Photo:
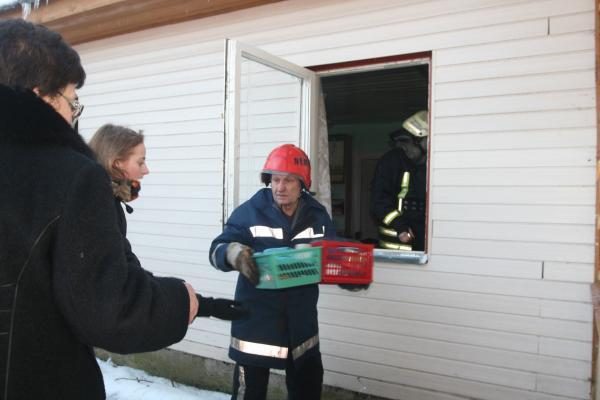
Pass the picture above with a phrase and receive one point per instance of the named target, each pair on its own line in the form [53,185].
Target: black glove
[220,308]
[354,287]
[240,258]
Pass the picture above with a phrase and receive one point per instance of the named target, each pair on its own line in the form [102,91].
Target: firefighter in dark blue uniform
[398,188]
[281,330]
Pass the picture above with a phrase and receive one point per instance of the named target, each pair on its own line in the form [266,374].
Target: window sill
[403,257]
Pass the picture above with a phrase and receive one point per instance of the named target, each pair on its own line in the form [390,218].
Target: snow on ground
[124,383]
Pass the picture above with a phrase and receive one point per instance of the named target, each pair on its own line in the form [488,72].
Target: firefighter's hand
[220,308]
[406,236]
[240,258]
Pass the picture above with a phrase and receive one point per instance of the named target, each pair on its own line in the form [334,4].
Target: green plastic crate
[285,267]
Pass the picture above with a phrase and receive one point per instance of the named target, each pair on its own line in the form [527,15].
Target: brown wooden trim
[370,61]
[83,21]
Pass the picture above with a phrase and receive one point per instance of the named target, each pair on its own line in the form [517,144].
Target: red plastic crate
[345,262]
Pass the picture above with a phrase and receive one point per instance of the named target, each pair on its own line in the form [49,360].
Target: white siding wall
[502,310]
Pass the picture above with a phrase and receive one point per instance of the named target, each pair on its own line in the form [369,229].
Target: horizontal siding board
[132,67]
[156,92]
[526,47]
[384,389]
[578,253]
[513,177]
[434,331]
[208,84]
[502,122]
[431,365]
[188,165]
[210,180]
[166,241]
[571,23]
[572,349]
[178,204]
[566,310]
[484,266]
[447,384]
[527,102]
[182,230]
[385,313]
[579,389]
[177,152]
[544,195]
[390,28]
[172,128]
[519,66]
[436,297]
[550,82]
[549,233]
[528,362]
[209,105]
[527,139]
[514,213]
[181,191]
[391,274]
[464,37]
[157,141]
[517,158]
[569,272]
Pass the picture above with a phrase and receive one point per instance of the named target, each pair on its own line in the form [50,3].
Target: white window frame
[234,51]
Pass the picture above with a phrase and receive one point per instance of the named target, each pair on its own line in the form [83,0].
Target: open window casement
[269,102]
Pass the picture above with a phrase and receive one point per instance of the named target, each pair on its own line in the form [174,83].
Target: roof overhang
[83,21]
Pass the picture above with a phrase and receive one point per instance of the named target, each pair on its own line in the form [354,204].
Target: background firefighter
[398,187]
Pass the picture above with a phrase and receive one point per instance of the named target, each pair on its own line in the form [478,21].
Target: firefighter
[398,187]
[281,330]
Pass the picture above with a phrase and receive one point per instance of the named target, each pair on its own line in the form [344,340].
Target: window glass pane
[270,110]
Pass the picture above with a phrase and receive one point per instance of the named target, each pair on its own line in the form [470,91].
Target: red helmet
[287,159]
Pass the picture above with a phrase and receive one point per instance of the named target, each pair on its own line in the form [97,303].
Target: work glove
[220,308]
[354,287]
[240,258]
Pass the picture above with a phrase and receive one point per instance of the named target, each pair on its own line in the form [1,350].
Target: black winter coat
[66,283]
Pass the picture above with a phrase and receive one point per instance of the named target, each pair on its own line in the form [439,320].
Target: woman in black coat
[66,283]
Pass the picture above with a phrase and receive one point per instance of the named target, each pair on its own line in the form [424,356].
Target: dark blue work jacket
[281,321]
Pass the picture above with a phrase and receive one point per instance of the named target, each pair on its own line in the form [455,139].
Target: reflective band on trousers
[268,350]
[388,232]
[391,216]
[395,246]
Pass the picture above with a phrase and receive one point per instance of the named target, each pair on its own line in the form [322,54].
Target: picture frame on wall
[337,158]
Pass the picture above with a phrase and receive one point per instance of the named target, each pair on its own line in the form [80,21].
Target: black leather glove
[220,308]
[240,258]
[354,287]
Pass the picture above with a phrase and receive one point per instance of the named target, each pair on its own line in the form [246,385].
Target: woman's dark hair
[33,56]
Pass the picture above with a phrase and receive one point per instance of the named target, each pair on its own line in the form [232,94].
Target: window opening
[364,105]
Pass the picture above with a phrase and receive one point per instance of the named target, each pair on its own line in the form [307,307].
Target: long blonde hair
[112,143]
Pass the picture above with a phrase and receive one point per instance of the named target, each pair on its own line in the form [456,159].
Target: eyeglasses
[75,105]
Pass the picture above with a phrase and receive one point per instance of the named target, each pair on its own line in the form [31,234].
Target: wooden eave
[83,21]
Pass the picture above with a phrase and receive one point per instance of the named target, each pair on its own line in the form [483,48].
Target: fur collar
[27,120]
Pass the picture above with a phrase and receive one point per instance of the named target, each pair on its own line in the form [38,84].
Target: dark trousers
[303,383]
